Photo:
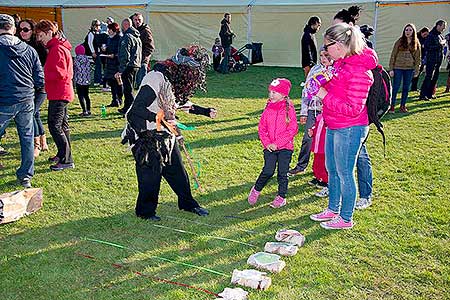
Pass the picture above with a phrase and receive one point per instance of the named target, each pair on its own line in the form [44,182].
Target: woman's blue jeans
[407,76]
[342,147]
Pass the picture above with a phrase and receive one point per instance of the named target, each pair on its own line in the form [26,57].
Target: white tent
[278,24]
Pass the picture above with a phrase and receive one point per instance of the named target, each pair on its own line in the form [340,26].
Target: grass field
[399,248]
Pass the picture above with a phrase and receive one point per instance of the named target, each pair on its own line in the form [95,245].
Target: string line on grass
[207,236]
[120,266]
[158,257]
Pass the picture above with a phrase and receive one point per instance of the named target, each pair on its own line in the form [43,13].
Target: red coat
[345,104]
[58,70]
[272,126]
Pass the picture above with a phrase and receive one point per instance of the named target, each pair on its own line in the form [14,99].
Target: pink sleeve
[262,131]
[351,104]
[291,129]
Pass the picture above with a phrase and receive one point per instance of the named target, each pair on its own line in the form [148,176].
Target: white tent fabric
[278,24]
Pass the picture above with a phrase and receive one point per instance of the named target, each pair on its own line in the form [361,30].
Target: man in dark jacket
[148,45]
[20,74]
[434,48]
[130,55]
[309,44]
[226,39]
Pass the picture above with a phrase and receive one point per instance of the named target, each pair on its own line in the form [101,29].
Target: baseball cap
[6,19]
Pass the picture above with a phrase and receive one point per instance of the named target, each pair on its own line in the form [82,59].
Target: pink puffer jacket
[345,104]
[272,128]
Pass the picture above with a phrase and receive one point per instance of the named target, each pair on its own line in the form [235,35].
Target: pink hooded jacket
[272,128]
[345,104]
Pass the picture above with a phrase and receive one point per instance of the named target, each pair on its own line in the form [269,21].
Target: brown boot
[447,89]
[37,146]
[44,146]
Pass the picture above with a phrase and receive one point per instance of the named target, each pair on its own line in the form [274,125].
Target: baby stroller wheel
[238,67]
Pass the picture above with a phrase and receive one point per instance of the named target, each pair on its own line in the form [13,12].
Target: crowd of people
[36,56]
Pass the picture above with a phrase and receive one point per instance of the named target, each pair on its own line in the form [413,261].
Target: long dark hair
[404,40]
[32,24]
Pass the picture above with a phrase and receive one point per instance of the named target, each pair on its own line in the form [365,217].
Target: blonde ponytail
[350,36]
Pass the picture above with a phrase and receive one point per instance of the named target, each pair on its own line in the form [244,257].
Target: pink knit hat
[280,85]
[79,50]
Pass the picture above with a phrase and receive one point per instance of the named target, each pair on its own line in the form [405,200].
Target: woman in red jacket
[58,73]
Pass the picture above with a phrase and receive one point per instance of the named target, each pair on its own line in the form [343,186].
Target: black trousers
[283,158]
[116,91]
[149,181]
[128,77]
[83,96]
[59,129]
[305,151]
[431,78]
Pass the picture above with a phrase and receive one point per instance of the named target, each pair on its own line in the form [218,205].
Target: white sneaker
[323,193]
[363,203]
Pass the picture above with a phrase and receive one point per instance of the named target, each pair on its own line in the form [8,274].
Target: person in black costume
[151,129]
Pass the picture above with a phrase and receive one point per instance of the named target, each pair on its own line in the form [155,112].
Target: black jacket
[434,48]
[20,71]
[226,35]
[130,50]
[309,48]
[112,64]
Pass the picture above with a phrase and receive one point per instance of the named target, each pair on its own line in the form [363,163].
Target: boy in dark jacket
[309,47]
[226,38]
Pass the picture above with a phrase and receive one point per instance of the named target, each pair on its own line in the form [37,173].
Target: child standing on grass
[318,133]
[82,74]
[217,51]
[277,129]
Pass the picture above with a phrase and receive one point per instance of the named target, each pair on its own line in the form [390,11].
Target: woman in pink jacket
[345,115]
[277,128]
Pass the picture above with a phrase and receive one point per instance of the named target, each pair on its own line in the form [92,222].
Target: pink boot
[253,196]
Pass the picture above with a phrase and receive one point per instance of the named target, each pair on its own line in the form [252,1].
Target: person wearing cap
[152,142]
[277,129]
[148,45]
[20,74]
[367,31]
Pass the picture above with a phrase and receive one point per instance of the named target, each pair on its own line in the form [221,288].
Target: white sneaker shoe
[363,203]
[323,193]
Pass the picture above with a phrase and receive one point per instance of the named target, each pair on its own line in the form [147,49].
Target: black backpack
[379,99]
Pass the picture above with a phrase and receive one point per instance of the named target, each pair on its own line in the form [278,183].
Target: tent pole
[249,28]
[375,25]
[147,13]
[62,18]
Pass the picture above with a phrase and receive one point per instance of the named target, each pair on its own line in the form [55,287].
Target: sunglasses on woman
[325,47]
[25,29]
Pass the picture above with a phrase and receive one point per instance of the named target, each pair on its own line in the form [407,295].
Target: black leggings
[83,96]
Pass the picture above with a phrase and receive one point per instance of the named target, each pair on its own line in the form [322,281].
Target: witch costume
[154,143]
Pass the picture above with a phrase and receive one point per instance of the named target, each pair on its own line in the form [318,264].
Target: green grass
[399,248]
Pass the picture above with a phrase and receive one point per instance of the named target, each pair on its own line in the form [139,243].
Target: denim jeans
[283,158]
[39,98]
[98,75]
[226,60]
[364,171]
[22,113]
[59,129]
[140,75]
[407,76]
[342,147]
[305,151]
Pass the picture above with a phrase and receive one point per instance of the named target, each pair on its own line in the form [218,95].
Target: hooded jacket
[58,70]
[434,48]
[226,35]
[20,71]
[345,104]
[309,48]
[130,50]
[148,45]
[272,128]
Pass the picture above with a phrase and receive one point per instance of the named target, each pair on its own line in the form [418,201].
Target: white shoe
[363,203]
[322,193]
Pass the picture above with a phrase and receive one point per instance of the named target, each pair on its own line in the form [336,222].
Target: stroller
[239,61]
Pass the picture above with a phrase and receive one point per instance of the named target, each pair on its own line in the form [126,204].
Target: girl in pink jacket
[345,115]
[277,128]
